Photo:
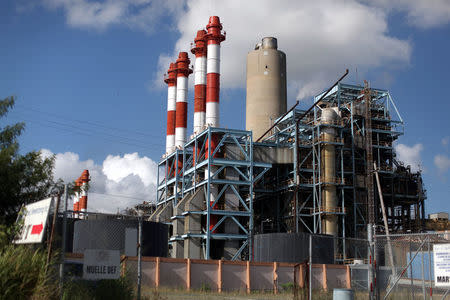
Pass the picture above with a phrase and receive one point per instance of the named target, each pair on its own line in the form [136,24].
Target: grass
[285,293]
[23,274]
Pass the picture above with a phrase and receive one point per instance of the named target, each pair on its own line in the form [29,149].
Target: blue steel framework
[306,142]
[303,209]
[193,160]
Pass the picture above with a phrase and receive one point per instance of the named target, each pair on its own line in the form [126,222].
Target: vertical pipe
[183,72]
[429,270]
[208,198]
[199,81]
[370,264]
[423,275]
[214,37]
[171,81]
[139,265]
[310,267]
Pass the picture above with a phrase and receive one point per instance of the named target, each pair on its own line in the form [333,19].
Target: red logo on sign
[37,229]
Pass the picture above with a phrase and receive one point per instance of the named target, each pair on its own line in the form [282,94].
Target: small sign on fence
[441,255]
[101,264]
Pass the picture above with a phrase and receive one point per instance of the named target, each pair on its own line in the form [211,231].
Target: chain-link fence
[405,266]
[112,237]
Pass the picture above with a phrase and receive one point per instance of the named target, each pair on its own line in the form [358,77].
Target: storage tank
[266,86]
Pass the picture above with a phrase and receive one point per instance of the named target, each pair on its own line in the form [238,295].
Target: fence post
[188,275]
[301,275]
[423,275]
[411,269]
[429,270]
[157,271]
[275,277]
[324,277]
[370,263]
[219,277]
[139,278]
[247,275]
[310,268]
[348,277]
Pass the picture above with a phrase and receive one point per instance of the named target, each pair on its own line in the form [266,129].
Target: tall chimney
[214,37]
[183,72]
[171,81]
[83,193]
[199,81]
[76,198]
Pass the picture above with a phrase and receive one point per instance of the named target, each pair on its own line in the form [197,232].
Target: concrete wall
[217,275]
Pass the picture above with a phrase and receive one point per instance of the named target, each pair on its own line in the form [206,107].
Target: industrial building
[290,171]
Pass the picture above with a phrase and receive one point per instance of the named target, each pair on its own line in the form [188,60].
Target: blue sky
[88,75]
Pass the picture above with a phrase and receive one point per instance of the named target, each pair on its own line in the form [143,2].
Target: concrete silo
[266,86]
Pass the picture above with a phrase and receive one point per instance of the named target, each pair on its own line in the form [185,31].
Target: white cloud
[445,141]
[130,175]
[144,15]
[420,13]
[410,155]
[442,162]
[320,38]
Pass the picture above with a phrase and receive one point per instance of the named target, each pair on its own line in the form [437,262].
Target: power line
[83,133]
[85,121]
[120,196]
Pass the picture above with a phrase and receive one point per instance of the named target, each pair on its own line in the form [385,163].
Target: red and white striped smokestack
[183,72]
[171,81]
[199,81]
[83,192]
[214,37]
[76,198]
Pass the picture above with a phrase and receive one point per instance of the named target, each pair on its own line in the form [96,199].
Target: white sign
[441,255]
[101,264]
[35,218]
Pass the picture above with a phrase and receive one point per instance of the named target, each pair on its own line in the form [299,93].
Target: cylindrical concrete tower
[171,81]
[199,81]
[328,171]
[183,72]
[214,37]
[266,86]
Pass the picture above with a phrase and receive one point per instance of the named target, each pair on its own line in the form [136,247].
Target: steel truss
[200,155]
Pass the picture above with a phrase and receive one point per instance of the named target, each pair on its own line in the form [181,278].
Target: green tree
[23,178]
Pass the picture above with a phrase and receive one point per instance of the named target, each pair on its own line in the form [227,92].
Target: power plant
[290,173]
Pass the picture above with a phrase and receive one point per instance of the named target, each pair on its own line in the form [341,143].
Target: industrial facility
[290,171]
